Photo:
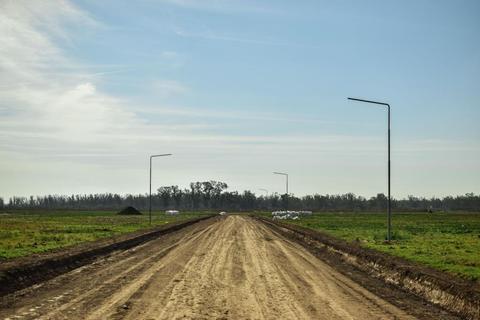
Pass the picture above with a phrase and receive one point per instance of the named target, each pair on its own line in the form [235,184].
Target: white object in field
[294,215]
[222,213]
[172,212]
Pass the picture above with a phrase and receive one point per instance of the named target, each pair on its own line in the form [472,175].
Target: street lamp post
[389,207]
[150,196]
[286,186]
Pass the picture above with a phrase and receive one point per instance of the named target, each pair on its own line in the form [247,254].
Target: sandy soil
[231,268]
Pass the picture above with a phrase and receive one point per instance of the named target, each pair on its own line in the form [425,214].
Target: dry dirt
[231,268]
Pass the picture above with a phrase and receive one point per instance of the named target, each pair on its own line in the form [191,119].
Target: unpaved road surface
[230,268]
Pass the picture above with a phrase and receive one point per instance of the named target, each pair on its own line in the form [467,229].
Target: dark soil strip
[384,274]
[24,272]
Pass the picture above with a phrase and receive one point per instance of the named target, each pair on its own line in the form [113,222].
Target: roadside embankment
[454,294]
[23,272]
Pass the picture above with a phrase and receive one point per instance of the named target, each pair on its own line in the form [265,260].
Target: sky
[237,89]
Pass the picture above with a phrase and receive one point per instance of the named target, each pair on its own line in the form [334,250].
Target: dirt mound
[129,211]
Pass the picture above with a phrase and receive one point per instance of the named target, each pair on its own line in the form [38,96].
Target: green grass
[445,241]
[24,233]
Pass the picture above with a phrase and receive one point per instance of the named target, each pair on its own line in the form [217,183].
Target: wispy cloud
[56,105]
[437,145]
[168,88]
[47,98]
[169,54]
[274,118]
[225,6]
[208,34]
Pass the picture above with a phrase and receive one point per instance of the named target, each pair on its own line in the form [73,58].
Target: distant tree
[177,195]
[167,194]
[212,195]
[248,201]
[195,194]
[379,202]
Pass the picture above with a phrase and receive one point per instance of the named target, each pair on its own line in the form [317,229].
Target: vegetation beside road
[445,241]
[25,232]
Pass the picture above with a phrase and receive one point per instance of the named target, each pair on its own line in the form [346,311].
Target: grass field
[24,233]
[445,241]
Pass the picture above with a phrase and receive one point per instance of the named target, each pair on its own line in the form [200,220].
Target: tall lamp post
[389,207]
[286,186]
[150,196]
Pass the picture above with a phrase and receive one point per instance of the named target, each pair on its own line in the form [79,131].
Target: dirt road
[232,268]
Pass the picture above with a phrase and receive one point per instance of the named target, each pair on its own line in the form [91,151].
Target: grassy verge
[445,241]
[24,233]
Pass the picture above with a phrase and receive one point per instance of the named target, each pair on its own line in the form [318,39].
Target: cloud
[50,105]
[208,34]
[168,88]
[42,92]
[169,54]
[223,6]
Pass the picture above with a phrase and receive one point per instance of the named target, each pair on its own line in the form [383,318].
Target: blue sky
[236,90]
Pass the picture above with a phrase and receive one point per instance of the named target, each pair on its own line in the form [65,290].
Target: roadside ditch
[458,296]
[23,272]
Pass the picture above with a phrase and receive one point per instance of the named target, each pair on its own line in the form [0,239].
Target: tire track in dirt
[72,295]
[229,268]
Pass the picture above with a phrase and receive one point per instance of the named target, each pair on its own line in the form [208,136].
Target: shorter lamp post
[150,196]
[286,186]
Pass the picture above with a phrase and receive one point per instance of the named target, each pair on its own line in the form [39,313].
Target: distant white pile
[172,212]
[294,215]
[222,213]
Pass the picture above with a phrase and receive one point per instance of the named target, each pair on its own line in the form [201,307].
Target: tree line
[213,195]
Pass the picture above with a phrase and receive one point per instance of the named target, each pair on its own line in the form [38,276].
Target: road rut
[230,268]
